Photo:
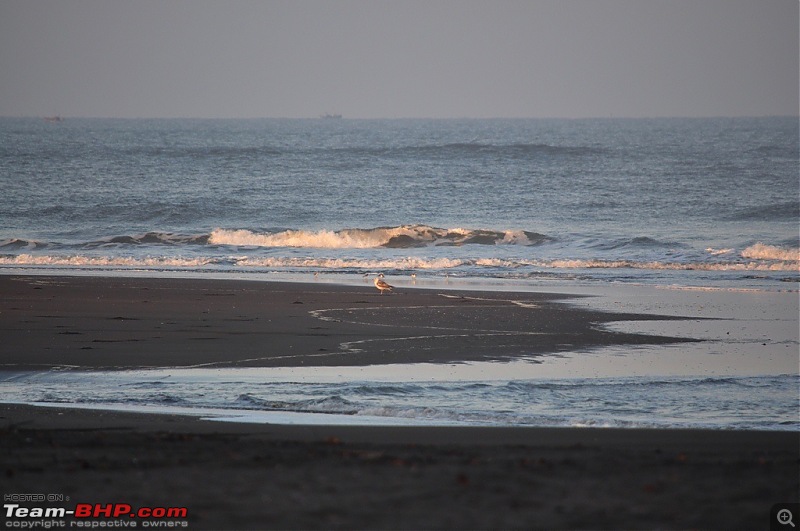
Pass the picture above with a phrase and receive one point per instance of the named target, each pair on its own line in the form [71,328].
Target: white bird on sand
[382,285]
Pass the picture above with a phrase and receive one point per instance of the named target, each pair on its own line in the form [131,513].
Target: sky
[399,58]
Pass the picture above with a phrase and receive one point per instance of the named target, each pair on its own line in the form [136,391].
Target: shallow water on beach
[743,375]
[310,397]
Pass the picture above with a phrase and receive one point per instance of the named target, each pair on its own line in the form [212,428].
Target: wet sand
[245,476]
[120,323]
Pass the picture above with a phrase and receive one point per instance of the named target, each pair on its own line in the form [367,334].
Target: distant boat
[53,119]
[331,116]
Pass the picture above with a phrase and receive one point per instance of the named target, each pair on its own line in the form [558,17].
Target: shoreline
[324,277]
[242,476]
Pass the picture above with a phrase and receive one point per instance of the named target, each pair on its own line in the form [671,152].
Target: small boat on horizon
[53,119]
[327,116]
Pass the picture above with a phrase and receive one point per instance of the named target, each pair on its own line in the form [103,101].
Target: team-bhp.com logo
[94,515]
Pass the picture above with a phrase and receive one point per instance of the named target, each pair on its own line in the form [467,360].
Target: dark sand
[235,476]
[117,323]
[244,476]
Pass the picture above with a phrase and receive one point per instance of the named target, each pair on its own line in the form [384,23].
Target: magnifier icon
[785,517]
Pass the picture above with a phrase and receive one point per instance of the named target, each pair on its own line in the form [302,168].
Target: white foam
[402,263]
[761,251]
[402,236]
[667,266]
[407,263]
[349,239]
[104,261]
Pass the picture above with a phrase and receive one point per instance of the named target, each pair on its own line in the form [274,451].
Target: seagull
[382,285]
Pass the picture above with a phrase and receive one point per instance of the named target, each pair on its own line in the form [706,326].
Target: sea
[695,217]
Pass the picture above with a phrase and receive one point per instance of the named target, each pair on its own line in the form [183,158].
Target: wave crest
[406,236]
[15,244]
[762,251]
[151,238]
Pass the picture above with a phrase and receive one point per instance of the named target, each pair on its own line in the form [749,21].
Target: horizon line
[443,118]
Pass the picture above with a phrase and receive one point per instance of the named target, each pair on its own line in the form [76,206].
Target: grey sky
[399,58]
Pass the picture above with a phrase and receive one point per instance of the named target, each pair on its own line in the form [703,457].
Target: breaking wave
[405,248]
[401,237]
[762,251]
[406,236]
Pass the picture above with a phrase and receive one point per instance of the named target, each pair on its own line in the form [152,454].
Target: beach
[233,475]
[123,323]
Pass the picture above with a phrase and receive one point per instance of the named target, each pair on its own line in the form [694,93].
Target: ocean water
[690,206]
[684,201]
